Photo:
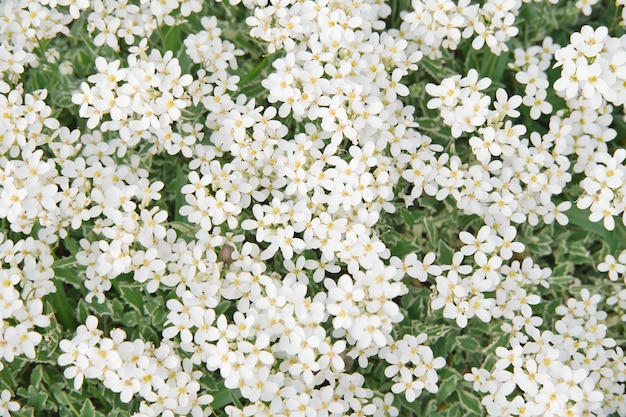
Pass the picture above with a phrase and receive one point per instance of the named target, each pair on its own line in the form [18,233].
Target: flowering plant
[312,208]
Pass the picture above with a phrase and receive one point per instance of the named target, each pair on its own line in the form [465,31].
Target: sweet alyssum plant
[312,208]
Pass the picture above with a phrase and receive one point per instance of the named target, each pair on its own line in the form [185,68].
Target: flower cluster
[592,81]
[25,278]
[301,196]
[157,374]
[28,192]
[576,370]
[24,24]
[516,177]
[142,102]
[462,105]
[531,65]
[616,270]
[605,188]
[464,291]
[332,25]
[109,21]
[268,250]
[118,197]
[592,69]
[412,366]
[215,54]
[434,25]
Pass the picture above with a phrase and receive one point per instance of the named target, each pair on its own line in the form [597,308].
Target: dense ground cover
[312,208]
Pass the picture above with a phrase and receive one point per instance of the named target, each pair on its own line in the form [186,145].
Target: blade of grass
[62,307]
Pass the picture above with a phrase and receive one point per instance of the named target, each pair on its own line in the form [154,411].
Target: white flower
[384,406]
[614,268]
[6,405]
[589,41]
[603,210]
[533,79]
[537,104]
[478,377]
[421,270]
[567,84]
[412,389]
[481,243]
[505,105]
[556,213]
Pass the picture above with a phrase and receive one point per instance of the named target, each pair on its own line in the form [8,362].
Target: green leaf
[171,38]
[406,408]
[250,76]
[40,399]
[62,307]
[68,401]
[24,412]
[132,320]
[36,80]
[416,307]
[421,213]
[455,411]
[71,243]
[67,275]
[500,341]
[118,310]
[36,376]
[578,252]
[403,248]
[563,280]
[47,351]
[224,397]
[495,65]
[154,309]
[435,129]
[439,347]
[436,69]
[87,410]
[562,269]
[148,334]
[539,243]
[83,312]
[60,395]
[133,296]
[101,309]
[159,317]
[181,180]
[431,230]
[448,383]
[451,341]
[469,344]
[580,218]
[445,253]
[252,90]
[407,217]
[83,60]
[470,402]
[222,307]
[118,413]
